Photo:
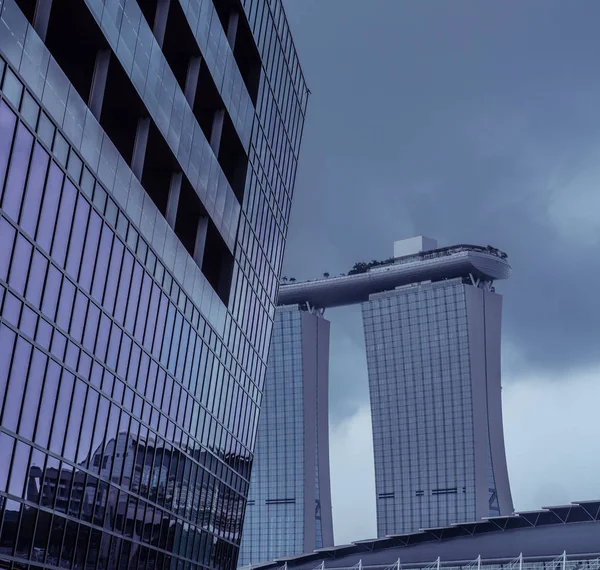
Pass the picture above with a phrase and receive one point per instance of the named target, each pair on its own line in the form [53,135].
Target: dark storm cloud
[473,122]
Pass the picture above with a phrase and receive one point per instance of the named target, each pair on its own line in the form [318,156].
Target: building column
[160,21]
[200,240]
[217,130]
[173,199]
[191,80]
[232,26]
[139,146]
[41,17]
[99,82]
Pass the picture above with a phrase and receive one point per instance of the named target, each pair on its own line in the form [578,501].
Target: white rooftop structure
[414,245]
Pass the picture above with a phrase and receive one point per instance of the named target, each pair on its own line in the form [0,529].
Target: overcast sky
[470,122]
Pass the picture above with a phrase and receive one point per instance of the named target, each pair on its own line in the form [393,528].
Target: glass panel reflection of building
[140,251]
[289,503]
[133,463]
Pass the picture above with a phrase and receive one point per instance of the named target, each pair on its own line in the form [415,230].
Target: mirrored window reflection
[19,469]
[10,526]
[7,443]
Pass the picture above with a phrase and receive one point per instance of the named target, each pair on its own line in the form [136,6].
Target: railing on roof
[442,252]
[563,562]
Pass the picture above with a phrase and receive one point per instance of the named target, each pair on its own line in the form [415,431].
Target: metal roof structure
[468,261]
[573,528]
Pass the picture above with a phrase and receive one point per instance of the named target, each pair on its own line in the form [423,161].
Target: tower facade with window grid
[433,356]
[148,152]
[289,508]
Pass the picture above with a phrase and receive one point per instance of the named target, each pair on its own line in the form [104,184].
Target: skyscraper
[148,152]
[289,504]
[433,354]
[432,324]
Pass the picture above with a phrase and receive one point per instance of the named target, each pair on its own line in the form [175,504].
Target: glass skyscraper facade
[148,152]
[433,355]
[289,504]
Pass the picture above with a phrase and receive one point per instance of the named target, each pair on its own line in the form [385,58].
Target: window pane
[102,338]
[20,265]
[98,434]
[7,342]
[65,306]
[35,383]
[51,292]
[77,403]
[123,289]
[18,472]
[35,281]
[47,405]
[102,263]
[134,297]
[19,163]
[59,344]
[33,193]
[91,327]
[7,130]
[55,541]
[6,445]
[8,538]
[113,347]
[114,270]
[79,315]
[63,223]
[62,412]
[89,253]
[69,544]
[82,213]
[47,224]
[16,385]
[124,356]
[42,531]
[7,237]
[87,428]
[152,317]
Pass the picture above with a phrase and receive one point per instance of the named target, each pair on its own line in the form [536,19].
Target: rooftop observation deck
[486,264]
